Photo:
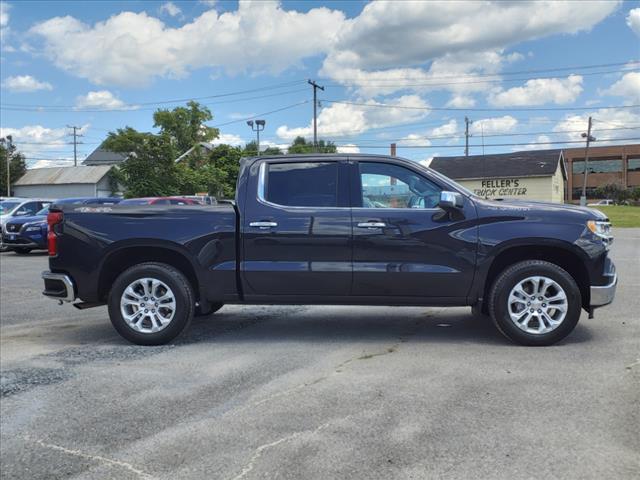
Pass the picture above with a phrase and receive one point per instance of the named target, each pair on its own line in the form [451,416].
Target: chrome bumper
[603,295]
[58,287]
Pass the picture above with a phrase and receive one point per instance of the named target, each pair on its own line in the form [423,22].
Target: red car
[160,201]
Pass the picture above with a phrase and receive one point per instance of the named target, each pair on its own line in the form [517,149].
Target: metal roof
[100,156]
[534,163]
[63,175]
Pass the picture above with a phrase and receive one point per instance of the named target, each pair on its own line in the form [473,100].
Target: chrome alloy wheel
[148,305]
[537,305]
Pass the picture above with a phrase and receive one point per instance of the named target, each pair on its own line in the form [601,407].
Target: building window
[598,166]
[633,165]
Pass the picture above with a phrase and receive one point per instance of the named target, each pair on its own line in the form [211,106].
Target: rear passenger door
[297,230]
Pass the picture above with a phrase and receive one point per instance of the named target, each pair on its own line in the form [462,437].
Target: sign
[500,187]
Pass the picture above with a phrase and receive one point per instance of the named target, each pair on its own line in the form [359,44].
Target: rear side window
[302,184]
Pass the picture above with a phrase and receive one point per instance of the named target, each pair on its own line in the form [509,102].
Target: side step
[85,305]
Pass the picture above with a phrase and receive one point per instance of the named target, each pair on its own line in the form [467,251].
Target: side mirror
[450,200]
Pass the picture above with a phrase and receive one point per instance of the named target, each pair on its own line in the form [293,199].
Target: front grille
[12,227]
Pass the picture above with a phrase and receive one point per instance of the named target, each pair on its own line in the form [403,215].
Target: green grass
[622,216]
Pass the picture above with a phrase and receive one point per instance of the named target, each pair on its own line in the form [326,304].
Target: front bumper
[10,242]
[603,294]
[58,287]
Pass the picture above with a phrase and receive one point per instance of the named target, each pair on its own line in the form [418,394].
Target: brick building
[619,164]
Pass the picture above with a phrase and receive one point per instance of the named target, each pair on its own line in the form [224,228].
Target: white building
[63,182]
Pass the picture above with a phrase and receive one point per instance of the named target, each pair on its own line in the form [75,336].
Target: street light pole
[589,138]
[257,129]
[9,140]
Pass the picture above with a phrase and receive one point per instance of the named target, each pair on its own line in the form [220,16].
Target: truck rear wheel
[151,303]
[535,303]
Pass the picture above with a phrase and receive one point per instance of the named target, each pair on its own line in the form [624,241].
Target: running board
[85,305]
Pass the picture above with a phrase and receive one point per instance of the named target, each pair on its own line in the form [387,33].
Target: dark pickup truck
[334,229]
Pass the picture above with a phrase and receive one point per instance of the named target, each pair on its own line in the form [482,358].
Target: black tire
[509,278]
[209,310]
[184,299]
[22,251]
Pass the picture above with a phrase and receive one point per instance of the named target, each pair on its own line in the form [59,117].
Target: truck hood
[554,211]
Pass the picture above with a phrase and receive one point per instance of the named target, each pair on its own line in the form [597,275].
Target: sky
[526,74]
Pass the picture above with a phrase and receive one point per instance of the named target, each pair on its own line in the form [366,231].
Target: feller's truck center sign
[499,187]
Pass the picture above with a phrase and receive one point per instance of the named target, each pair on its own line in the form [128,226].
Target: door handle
[263,225]
[372,225]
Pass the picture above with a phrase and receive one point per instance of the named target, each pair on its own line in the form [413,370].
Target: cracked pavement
[316,392]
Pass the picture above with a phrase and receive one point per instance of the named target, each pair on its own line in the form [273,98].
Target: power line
[490,144]
[457,109]
[253,117]
[520,72]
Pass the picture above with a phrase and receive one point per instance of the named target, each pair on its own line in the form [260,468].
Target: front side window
[390,186]
[302,184]
[27,209]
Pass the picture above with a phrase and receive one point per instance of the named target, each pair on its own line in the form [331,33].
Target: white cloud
[101,100]
[628,87]
[48,145]
[170,8]
[540,91]
[461,101]
[340,119]
[604,120]
[133,48]
[493,125]
[449,128]
[228,139]
[536,145]
[4,14]
[240,115]
[387,34]
[25,83]
[413,140]
[349,148]
[633,20]
[209,3]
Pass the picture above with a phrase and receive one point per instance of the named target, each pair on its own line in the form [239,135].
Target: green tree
[185,125]
[300,145]
[17,166]
[224,162]
[613,191]
[150,169]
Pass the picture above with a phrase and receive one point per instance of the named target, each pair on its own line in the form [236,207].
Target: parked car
[14,207]
[601,203]
[299,233]
[160,201]
[23,234]
[203,199]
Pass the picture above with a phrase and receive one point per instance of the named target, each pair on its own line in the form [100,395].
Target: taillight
[53,219]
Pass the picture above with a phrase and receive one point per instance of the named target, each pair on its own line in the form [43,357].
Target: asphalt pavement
[316,392]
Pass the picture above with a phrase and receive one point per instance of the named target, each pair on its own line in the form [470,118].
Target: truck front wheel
[151,303]
[535,303]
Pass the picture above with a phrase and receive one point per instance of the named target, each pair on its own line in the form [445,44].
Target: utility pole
[315,114]
[9,140]
[589,138]
[75,143]
[467,122]
[257,129]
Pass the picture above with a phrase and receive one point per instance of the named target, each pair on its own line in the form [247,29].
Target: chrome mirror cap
[450,200]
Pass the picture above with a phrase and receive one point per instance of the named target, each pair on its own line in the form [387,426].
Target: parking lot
[317,392]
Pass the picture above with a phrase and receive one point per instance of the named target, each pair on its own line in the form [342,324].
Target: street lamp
[9,140]
[257,129]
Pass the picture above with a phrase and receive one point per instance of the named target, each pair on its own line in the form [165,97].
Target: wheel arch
[125,256]
[559,253]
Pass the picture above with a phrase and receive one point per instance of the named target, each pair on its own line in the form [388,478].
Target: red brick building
[619,164]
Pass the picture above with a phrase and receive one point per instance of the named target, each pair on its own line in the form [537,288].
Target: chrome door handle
[372,225]
[263,225]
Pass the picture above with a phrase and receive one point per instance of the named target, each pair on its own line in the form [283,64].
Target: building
[528,175]
[62,182]
[102,157]
[618,164]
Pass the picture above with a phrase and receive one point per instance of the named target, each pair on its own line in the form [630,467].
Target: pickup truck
[334,229]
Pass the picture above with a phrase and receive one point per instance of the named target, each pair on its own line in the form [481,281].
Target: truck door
[404,245]
[296,229]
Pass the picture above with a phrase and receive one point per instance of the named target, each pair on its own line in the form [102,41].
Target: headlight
[600,228]
[34,228]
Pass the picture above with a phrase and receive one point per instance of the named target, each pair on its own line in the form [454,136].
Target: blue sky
[407,72]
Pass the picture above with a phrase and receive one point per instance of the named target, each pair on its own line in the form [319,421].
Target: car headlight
[600,228]
[33,228]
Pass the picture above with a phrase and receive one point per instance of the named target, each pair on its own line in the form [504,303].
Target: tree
[300,145]
[17,166]
[185,125]
[613,191]
[224,162]
[149,169]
